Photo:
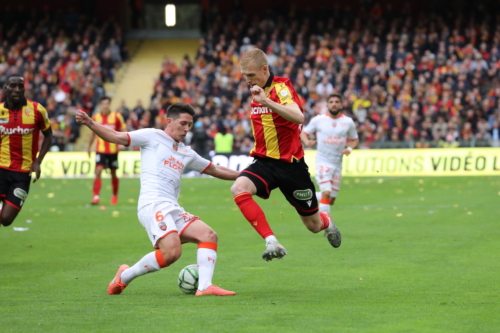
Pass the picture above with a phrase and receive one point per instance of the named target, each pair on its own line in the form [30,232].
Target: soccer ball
[188,279]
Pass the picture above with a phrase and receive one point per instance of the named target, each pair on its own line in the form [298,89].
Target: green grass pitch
[418,255]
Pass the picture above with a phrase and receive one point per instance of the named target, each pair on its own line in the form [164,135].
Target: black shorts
[109,161]
[14,187]
[293,180]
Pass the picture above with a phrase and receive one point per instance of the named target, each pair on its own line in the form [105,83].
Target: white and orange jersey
[332,135]
[163,161]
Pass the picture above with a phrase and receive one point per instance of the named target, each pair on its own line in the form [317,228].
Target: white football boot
[273,250]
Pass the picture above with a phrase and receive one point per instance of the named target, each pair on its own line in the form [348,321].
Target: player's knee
[6,221]
[209,236]
[237,189]
[172,255]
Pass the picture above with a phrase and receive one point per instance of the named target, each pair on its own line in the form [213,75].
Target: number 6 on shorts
[159,216]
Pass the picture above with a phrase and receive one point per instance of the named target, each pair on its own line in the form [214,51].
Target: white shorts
[328,178]
[162,218]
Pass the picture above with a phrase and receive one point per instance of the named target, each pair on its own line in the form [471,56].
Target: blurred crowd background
[426,80]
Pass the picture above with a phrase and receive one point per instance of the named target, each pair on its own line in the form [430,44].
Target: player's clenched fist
[257,93]
[82,117]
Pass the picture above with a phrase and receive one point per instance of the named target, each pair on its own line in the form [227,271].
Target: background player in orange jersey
[279,157]
[106,153]
[21,121]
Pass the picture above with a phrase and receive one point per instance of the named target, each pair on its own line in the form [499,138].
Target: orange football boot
[114,200]
[215,291]
[116,286]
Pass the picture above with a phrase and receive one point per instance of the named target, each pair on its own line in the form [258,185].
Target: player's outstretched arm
[221,172]
[107,134]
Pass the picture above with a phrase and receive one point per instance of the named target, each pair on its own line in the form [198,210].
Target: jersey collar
[269,81]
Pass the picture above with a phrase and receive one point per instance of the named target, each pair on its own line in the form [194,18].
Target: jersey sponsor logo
[303,194]
[15,130]
[174,164]
[260,110]
[333,140]
[309,202]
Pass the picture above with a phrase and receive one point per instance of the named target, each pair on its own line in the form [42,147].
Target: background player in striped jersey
[106,153]
[336,136]
[276,117]
[21,121]
[163,159]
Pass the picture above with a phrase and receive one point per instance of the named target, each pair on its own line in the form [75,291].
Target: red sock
[253,213]
[324,219]
[115,182]
[97,186]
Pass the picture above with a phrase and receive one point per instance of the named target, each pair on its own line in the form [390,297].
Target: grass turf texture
[418,255]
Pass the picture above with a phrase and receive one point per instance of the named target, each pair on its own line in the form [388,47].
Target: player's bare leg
[96,190]
[323,221]
[170,250]
[206,238]
[243,189]
[8,214]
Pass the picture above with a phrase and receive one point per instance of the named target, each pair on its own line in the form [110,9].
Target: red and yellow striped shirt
[113,120]
[19,132]
[276,137]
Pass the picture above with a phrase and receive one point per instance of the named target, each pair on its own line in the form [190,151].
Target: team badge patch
[27,111]
[334,125]
[162,226]
[303,194]
[175,146]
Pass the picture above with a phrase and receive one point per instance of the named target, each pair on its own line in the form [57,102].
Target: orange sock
[253,213]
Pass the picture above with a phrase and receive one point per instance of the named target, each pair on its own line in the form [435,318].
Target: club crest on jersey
[162,226]
[27,111]
[334,125]
[175,145]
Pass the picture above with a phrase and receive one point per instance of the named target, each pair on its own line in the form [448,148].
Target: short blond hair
[254,57]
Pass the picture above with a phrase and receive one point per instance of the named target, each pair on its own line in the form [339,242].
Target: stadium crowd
[64,59]
[408,80]
[423,81]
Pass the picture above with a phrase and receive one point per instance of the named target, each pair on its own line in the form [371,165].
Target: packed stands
[426,81]
[64,58]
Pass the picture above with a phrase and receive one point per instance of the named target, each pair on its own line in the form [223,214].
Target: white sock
[147,264]
[324,208]
[271,238]
[318,196]
[206,259]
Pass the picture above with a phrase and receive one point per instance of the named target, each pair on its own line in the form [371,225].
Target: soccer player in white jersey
[163,159]
[336,136]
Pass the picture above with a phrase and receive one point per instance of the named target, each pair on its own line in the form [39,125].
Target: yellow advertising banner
[78,164]
[369,163]
[417,162]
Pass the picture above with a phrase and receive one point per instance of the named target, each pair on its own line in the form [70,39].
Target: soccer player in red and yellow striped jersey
[106,153]
[277,119]
[21,121]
